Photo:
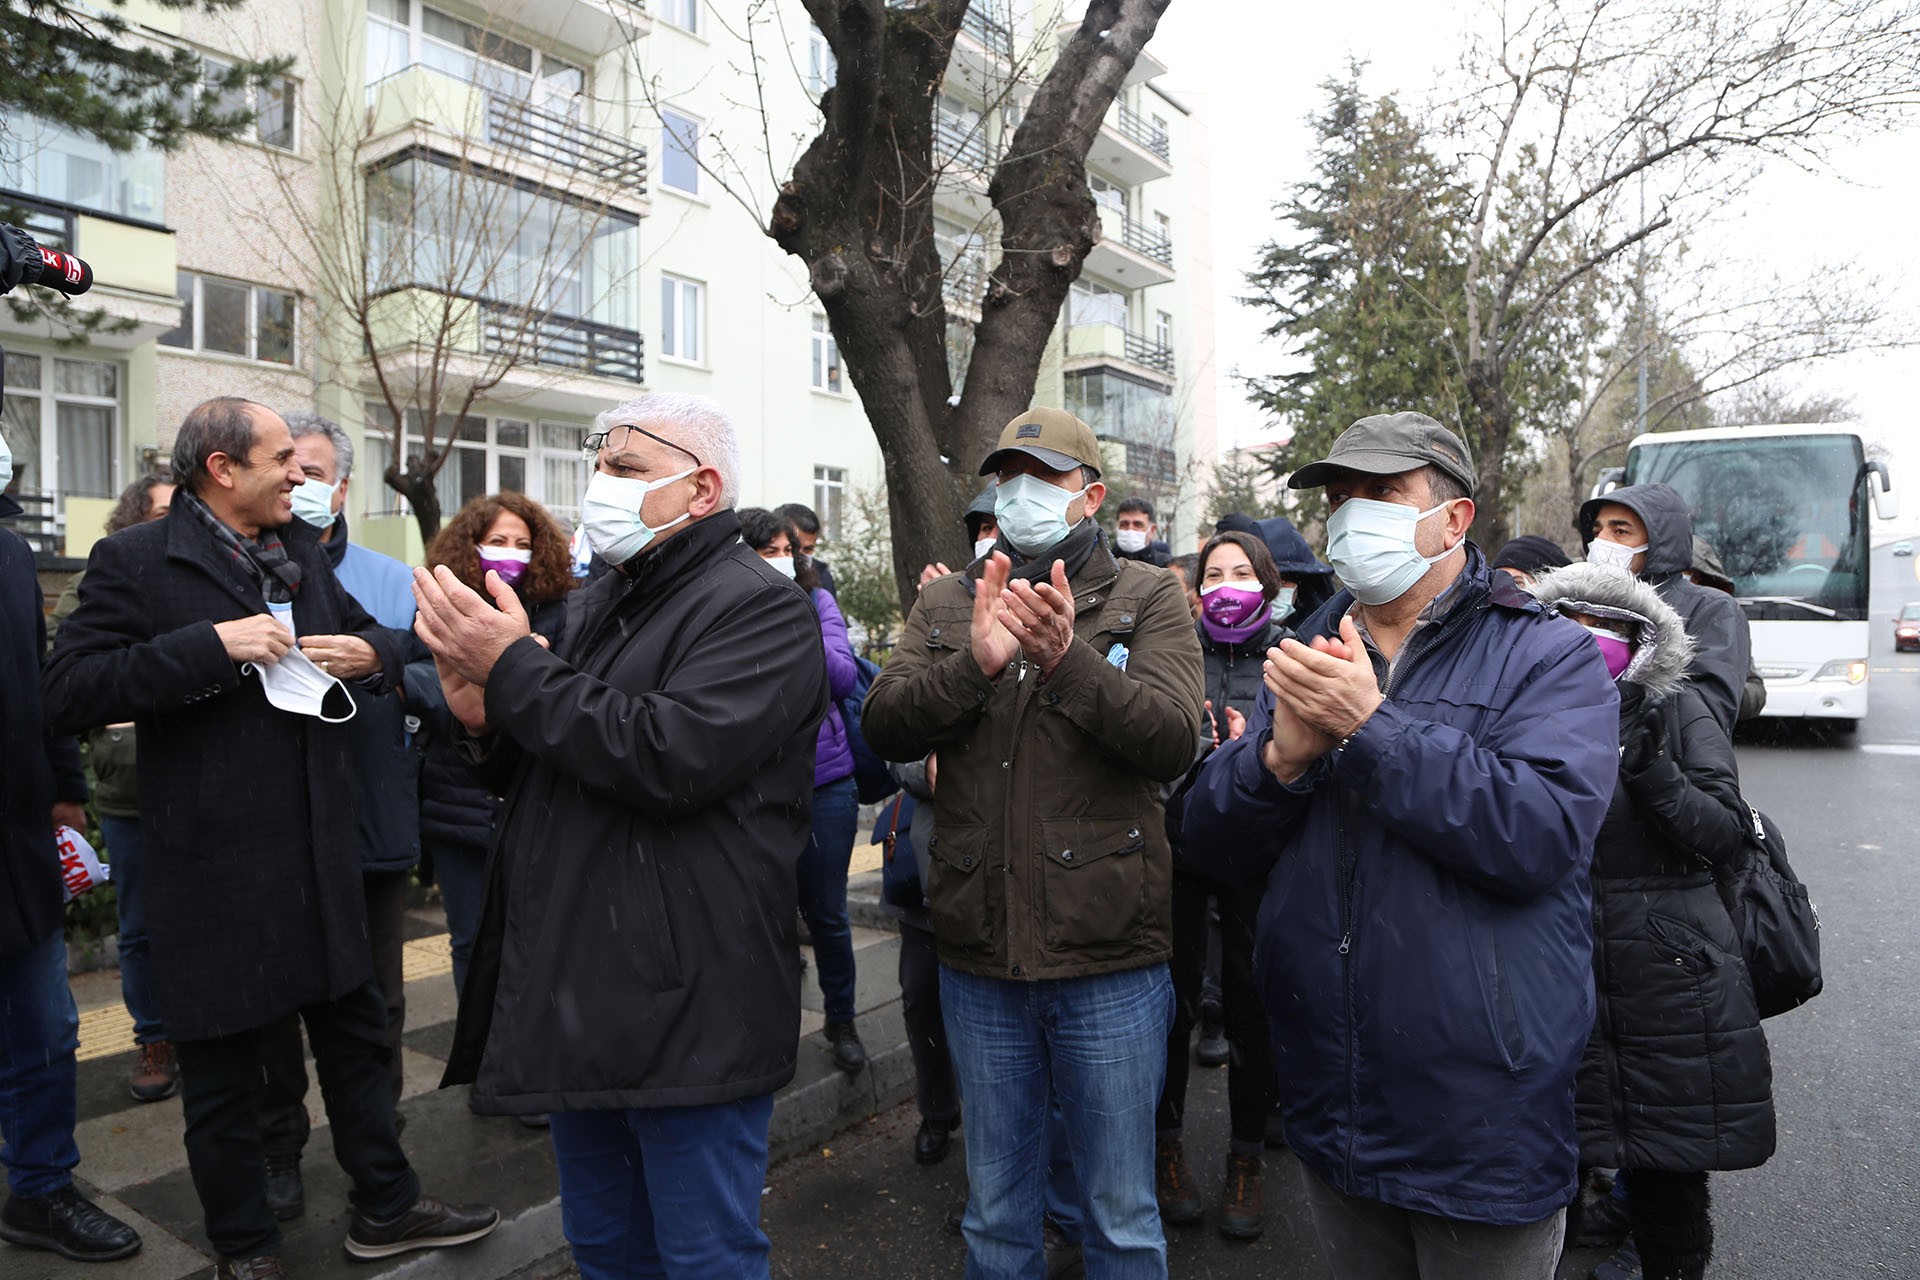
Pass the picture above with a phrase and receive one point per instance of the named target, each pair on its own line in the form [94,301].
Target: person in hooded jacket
[1310,583]
[836,802]
[1675,1080]
[1707,571]
[1239,587]
[1647,530]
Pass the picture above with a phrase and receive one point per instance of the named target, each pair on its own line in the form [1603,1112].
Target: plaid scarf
[264,560]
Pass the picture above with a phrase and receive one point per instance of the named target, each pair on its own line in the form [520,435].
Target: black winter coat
[1676,1076]
[250,851]
[637,945]
[36,769]
[456,808]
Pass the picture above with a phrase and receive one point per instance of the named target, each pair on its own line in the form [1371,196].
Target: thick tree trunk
[415,484]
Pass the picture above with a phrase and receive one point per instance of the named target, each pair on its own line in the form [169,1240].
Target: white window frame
[209,64]
[830,500]
[47,478]
[673,134]
[823,69]
[377,499]
[677,337]
[826,372]
[195,339]
[1163,328]
[671,11]
[417,38]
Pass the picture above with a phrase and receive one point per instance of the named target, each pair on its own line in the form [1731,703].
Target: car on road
[1903,548]
[1906,627]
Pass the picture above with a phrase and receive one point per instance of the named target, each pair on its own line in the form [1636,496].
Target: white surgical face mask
[297,684]
[610,513]
[1032,514]
[782,565]
[6,464]
[1131,541]
[1370,545]
[313,503]
[1612,555]
[981,546]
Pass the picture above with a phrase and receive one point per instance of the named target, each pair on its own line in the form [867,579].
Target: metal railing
[563,342]
[1155,355]
[40,527]
[520,126]
[1138,129]
[996,36]
[955,144]
[1143,239]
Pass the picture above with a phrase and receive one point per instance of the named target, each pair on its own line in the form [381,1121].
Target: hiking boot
[930,1144]
[286,1193]
[67,1223]
[1241,1203]
[1173,1186]
[156,1076]
[1213,1050]
[848,1053]
[265,1267]
[428,1224]
[1623,1265]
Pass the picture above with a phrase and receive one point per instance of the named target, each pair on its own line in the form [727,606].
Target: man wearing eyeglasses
[635,974]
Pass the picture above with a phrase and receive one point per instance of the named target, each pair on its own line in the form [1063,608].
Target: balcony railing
[996,36]
[1136,128]
[38,525]
[1143,239]
[1144,350]
[519,126]
[563,342]
[956,144]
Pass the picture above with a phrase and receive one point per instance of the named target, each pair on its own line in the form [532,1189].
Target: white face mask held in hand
[297,685]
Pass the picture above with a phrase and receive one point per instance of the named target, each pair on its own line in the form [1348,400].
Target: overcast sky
[1260,65]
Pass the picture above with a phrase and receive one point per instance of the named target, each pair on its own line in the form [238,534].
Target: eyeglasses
[615,438]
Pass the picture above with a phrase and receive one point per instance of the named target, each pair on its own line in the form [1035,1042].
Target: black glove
[1643,745]
[18,255]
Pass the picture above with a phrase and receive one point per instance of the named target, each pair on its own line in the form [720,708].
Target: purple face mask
[1232,613]
[1617,652]
[508,562]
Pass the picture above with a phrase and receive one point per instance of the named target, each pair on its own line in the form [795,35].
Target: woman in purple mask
[1675,1080]
[512,535]
[1238,584]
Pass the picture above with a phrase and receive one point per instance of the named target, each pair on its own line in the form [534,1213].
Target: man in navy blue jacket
[1420,787]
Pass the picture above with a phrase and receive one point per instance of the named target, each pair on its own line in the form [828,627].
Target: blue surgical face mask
[610,513]
[313,503]
[1032,514]
[1283,605]
[1370,545]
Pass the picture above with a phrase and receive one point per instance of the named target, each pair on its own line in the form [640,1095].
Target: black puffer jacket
[455,806]
[1676,1075]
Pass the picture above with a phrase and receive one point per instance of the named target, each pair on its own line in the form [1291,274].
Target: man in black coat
[187,626]
[40,785]
[636,974]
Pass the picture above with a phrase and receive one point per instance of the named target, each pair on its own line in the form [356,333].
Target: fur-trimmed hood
[1662,647]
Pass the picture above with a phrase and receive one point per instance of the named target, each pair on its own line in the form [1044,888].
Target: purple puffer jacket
[833,758]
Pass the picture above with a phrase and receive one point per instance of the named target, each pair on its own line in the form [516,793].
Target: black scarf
[1075,549]
[264,560]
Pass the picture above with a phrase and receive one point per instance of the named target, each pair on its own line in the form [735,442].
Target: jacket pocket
[1496,996]
[1094,881]
[957,886]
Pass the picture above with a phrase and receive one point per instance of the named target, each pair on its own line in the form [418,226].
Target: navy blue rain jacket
[1424,947]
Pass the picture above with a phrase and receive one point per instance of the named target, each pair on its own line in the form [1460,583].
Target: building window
[62,421]
[684,14]
[61,166]
[236,319]
[272,104]
[679,152]
[823,71]
[830,500]
[1108,195]
[402,34]
[1130,412]
[1092,303]
[1163,328]
[489,455]
[826,357]
[682,303]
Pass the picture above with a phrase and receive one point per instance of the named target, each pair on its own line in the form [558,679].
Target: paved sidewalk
[132,1157]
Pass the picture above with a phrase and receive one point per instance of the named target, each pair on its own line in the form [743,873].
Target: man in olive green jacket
[1061,690]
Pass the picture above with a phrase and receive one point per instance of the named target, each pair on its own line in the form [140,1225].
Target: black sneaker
[69,1224]
[1212,1051]
[848,1053]
[265,1267]
[286,1193]
[429,1224]
[930,1144]
[1623,1265]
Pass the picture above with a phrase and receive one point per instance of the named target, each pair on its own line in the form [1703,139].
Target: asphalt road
[1840,1199]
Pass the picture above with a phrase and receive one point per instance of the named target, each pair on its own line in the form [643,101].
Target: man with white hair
[635,973]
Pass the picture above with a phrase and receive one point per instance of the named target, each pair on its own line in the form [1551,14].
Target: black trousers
[219,1087]
[283,1060]
[1672,1222]
[1251,1086]
[935,1088]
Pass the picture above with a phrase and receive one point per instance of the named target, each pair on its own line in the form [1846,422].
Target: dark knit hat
[1531,554]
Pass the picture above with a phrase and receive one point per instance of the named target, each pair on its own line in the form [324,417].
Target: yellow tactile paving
[109,1029]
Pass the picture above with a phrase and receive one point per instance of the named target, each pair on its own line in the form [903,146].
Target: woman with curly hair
[515,537]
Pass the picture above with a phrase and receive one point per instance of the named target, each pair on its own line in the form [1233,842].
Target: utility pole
[1640,298]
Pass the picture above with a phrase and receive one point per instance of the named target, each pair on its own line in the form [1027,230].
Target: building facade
[483,221]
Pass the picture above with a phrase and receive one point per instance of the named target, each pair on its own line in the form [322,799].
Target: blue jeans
[1099,1046]
[136,961]
[461,871]
[823,893]
[668,1191]
[39,1032]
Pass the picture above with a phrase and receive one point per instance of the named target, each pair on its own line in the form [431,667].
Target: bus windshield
[1788,515]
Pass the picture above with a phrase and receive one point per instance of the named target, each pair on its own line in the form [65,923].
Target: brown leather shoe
[1241,1202]
[1173,1186]
[428,1224]
[157,1075]
[265,1267]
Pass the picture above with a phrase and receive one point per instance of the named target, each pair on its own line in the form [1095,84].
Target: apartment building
[537,208]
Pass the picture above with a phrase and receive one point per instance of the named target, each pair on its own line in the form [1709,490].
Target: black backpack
[1778,925]
[871,780]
